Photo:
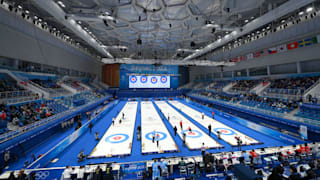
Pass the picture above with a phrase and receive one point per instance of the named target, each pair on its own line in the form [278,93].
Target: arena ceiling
[150,29]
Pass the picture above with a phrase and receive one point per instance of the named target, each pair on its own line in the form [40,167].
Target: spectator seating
[311,111]
[245,85]
[218,85]
[291,86]
[8,84]
[271,104]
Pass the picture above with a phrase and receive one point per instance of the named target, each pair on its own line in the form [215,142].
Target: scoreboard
[149,81]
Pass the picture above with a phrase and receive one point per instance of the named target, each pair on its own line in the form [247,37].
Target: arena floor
[118,142]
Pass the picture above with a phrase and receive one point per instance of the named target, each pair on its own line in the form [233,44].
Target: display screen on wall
[137,70]
[149,81]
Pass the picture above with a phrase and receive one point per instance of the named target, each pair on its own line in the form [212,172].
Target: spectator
[203,149]
[294,174]
[66,175]
[181,162]
[277,174]
[22,175]
[12,176]
[80,173]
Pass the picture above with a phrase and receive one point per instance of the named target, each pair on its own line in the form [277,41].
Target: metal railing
[9,135]
[15,94]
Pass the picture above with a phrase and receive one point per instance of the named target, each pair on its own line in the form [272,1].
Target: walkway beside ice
[228,134]
[195,138]
[118,138]
[152,125]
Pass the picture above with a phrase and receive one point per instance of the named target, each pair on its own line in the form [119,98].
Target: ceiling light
[252,17]
[20,7]
[246,20]
[27,11]
[283,21]
[309,9]
[301,13]
[79,22]
[61,4]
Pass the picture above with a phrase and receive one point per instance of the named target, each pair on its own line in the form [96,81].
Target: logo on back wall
[133,79]
[154,80]
[143,79]
[163,79]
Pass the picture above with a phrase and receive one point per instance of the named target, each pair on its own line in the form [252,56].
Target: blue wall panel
[127,69]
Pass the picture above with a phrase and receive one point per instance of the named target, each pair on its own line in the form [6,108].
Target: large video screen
[149,81]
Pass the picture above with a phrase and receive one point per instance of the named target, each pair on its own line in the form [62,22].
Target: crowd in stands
[245,85]
[8,84]
[26,113]
[274,104]
[23,114]
[293,86]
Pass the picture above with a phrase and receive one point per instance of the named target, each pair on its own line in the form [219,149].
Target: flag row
[278,49]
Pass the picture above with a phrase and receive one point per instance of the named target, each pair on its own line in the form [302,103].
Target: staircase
[261,87]
[228,86]
[314,90]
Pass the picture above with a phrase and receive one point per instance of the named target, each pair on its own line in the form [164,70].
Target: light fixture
[61,4]
[301,13]
[246,20]
[309,9]
[283,21]
[27,12]
[252,17]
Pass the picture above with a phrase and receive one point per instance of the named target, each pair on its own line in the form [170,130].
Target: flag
[264,52]
[307,42]
[272,50]
[282,48]
[293,45]
[250,56]
[243,58]
[256,54]
[235,59]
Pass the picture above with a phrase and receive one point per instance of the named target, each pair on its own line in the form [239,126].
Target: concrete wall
[290,58]
[20,39]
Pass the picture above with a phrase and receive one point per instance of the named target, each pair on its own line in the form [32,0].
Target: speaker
[105,22]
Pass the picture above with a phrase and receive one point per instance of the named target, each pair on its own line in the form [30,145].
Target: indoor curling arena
[160,89]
